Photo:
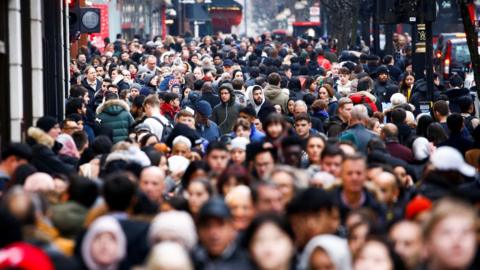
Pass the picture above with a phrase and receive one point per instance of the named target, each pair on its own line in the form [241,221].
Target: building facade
[33,66]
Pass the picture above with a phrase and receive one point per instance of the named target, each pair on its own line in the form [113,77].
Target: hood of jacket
[250,96]
[69,217]
[229,87]
[113,107]
[37,135]
[272,91]
[457,92]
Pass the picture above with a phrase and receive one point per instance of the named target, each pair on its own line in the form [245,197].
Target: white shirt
[155,126]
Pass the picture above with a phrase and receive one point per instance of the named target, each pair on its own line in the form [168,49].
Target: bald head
[152,183]
[386,183]
[390,132]
[237,193]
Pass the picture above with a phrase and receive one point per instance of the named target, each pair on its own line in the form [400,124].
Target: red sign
[97,38]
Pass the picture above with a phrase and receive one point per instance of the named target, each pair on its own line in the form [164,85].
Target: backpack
[358,98]
[468,123]
[167,128]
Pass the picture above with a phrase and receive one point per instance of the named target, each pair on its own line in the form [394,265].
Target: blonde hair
[445,208]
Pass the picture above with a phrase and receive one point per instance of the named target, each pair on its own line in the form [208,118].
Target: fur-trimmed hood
[40,137]
[113,107]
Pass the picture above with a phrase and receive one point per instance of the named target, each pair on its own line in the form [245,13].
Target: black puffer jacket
[43,157]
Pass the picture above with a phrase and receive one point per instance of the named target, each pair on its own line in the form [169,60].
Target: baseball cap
[214,208]
[447,158]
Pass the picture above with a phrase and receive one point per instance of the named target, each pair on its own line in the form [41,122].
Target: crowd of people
[227,153]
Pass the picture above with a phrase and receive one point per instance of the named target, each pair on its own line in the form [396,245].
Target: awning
[225,5]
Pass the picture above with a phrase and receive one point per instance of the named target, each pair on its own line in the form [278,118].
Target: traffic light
[82,19]
[405,11]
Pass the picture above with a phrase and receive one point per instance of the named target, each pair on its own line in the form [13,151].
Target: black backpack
[167,128]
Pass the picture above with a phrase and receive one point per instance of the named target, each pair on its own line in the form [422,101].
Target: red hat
[24,256]
[416,206]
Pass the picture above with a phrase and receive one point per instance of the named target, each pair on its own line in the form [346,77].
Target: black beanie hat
[46,123]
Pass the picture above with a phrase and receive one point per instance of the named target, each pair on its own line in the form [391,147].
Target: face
[346,111]
[319,260]
[386,183]
[354,174]
[332,165]
[198,74]
[224,95]
[344,78]
[242,132]
[315,147]
[323,94]
[292,155]
[291,106]
[132,69]
[134,92]
[407,238]
[307,226]
[152,184]
[217,160]
[452,242]
[105,86]
[285,183]
[264,164]
[383,77]
[357,237]
[278,108]
[216,235]
[374,255]
[239,76]
[151,63]
[104,249]
[377,128]
[275,130]
[92,74]
[299,109]
[271,248]
[70,127]
[269,200]
[187,120]
[55,131]
[302,128]
[197,196]
[82,58]
[402,175]
[238,155]
[409,80]
[86,98]
[100,71]
[258,124]
[181,149]
[242,211]
[258,97]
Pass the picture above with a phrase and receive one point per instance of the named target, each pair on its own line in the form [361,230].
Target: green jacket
[115,114]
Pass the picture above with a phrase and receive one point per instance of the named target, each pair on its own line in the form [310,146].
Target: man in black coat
[91,83]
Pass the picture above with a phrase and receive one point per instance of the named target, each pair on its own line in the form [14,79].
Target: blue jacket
[210,132]
[358,135]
